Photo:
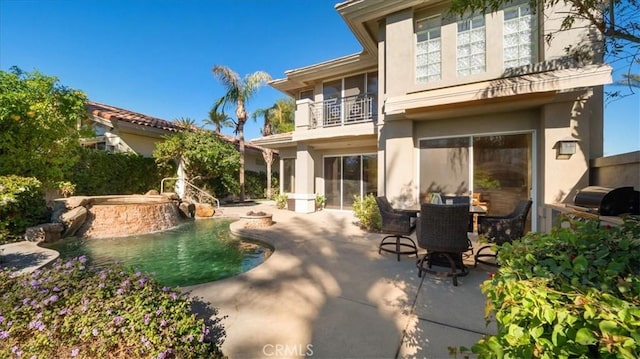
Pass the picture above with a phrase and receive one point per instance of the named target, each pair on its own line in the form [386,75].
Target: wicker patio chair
[462,200]
[399,224]
[443,233]
[501,229]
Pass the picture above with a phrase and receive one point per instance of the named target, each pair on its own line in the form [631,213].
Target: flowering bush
[574,293]
[71,310]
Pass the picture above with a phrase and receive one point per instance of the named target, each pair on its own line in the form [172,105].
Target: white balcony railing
[343,111]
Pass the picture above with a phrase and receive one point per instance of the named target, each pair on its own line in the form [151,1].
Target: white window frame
[525,34]
[428,49]
[470,47]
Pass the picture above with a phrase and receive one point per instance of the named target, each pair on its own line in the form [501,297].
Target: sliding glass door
[346,176]
[444,166]
[502,170]
[499,167]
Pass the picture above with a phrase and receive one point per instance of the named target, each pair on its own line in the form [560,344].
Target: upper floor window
[428,50]
[306,94]
[471,50]
[518,40]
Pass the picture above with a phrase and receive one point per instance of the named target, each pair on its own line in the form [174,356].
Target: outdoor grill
[607,201]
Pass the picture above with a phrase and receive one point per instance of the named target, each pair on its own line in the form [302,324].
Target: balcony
[343,111]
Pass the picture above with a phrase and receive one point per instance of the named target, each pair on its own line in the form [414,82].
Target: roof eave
[356,13]
[305,77]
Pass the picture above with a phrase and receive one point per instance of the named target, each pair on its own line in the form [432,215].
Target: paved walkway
[25,257]
[325,292]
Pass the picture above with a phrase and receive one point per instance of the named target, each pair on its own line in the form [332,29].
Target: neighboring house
[435,103]
[120,130]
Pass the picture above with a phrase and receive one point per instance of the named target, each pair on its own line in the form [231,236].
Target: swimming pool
[193,253]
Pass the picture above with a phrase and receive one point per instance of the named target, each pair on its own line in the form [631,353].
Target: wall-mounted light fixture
[565,148]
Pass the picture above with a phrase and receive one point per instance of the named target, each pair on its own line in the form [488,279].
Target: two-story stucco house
[441,103]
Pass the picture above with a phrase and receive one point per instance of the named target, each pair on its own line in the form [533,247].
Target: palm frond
[226,76]
[253,82]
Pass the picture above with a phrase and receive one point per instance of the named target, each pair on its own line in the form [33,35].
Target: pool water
[196,252]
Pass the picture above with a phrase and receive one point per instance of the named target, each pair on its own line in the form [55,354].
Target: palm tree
[278,118]
[239,92]
[218,120]
[267,153]
[282,115]
[186,123]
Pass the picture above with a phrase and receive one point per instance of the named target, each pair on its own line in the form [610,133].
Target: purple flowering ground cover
[71,310]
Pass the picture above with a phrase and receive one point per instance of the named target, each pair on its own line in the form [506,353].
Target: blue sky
[155,57]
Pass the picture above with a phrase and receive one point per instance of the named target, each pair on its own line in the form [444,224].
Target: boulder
[47,232]
[59,207]
[152,192]
[205,210]
[76,201]
[187,209]
[73,220]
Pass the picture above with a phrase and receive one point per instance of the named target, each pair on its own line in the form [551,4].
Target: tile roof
[114,113]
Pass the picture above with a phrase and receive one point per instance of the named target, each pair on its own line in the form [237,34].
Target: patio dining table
[473,209]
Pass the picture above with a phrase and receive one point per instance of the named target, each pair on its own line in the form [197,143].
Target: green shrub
[101,173]
[321,200]
[22,205]
[205,155]
[281,200]
[72,310]
[574,293]
[255,184]
[367,212]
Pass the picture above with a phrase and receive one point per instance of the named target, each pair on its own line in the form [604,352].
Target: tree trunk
[241,147]
[242,118]
[267,154]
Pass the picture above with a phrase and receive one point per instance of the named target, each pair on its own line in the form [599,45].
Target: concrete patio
[325,292]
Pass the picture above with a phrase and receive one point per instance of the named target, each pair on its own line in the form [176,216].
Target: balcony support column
[304,114]
[304,177]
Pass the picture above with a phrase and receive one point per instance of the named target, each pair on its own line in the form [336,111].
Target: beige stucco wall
[254,161]
[142,145]
[560,179]
[397,43]
[397,163]
[577,37]
[621,170]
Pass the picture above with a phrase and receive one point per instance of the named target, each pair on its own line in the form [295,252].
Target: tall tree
[39,126]
[267,153]
[239,91]
[283,115]
[617,21]
[218,120]
[278,118]
[185,122]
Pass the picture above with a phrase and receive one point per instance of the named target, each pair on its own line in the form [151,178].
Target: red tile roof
[115,113]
